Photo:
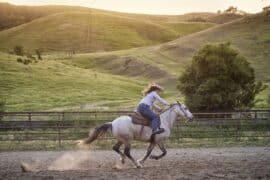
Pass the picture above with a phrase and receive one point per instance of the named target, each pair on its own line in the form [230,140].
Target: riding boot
[158,131]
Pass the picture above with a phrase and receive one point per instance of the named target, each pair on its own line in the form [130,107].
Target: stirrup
[158,131]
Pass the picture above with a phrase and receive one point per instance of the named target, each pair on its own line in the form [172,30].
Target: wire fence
[34,130]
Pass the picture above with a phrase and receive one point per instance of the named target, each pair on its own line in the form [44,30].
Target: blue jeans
[145,110]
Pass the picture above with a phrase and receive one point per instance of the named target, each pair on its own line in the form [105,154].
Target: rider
[145,105]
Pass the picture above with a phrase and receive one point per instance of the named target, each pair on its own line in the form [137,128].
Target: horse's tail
[98,132]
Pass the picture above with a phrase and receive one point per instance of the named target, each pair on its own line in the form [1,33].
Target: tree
[219,79]
[231,10]
[266,10]
[18,50]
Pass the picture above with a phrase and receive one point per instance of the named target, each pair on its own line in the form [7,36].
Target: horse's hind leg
[127,153]
[116,148]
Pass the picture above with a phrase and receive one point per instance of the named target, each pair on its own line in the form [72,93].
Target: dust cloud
[77,160]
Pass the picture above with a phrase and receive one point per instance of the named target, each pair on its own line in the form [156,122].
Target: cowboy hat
[157,86]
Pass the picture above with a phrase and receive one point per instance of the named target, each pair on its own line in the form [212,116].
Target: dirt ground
[188,163]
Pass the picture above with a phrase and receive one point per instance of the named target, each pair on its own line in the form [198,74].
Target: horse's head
[182,110]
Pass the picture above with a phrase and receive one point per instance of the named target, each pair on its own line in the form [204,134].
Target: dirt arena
[199,163]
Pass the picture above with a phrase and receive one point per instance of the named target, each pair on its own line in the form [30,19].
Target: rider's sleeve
[162,101]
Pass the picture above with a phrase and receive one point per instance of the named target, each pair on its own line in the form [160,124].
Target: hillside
[250,35]
[92,32]
[50,84]
[189,17]
[114,79]
[11,15]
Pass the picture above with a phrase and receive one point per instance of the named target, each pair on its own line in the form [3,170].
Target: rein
[167,109]
[170,108]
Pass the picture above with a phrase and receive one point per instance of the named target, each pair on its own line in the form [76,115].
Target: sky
[155,6]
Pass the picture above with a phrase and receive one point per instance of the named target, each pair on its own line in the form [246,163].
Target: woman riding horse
[125,131]
[146,104]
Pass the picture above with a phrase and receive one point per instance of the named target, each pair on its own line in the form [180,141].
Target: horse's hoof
[139,163]
[138,166]
[122,160]
[27,168]
[153,157]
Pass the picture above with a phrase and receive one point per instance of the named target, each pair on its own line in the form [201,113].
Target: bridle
[183,111]
[180,106]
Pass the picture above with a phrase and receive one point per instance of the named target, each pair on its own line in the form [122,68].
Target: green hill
[250,35]
[190,17]
[50,84]
[116,78]
[11,15]
[91,32]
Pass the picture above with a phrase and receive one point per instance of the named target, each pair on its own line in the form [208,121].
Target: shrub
[30,56]
[19,60]
[18,50]
[219,79]
[27,61]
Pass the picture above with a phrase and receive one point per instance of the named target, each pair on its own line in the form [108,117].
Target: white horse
[125,131]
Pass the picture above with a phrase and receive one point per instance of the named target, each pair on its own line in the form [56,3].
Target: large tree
[219,79]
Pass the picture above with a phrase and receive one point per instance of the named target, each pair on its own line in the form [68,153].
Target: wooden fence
[61,127]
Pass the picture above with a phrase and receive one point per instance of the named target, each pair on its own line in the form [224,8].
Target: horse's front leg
[164,152]
[149,150]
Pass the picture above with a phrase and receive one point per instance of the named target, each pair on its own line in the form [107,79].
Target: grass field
[49,84]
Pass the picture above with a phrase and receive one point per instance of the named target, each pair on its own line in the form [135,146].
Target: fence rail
[67,126]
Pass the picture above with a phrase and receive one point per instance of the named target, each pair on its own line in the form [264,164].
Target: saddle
[138,118]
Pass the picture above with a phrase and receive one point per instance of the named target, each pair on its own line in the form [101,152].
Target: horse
[125,131]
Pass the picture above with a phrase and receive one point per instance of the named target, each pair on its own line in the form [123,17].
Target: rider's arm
[162,101]
[156,107]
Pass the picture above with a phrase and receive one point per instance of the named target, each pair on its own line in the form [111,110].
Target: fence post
[63,116]
[255,115]
[30,120]
[29,126]
[59,134]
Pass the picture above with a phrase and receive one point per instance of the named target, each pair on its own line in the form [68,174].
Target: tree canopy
[219,79]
